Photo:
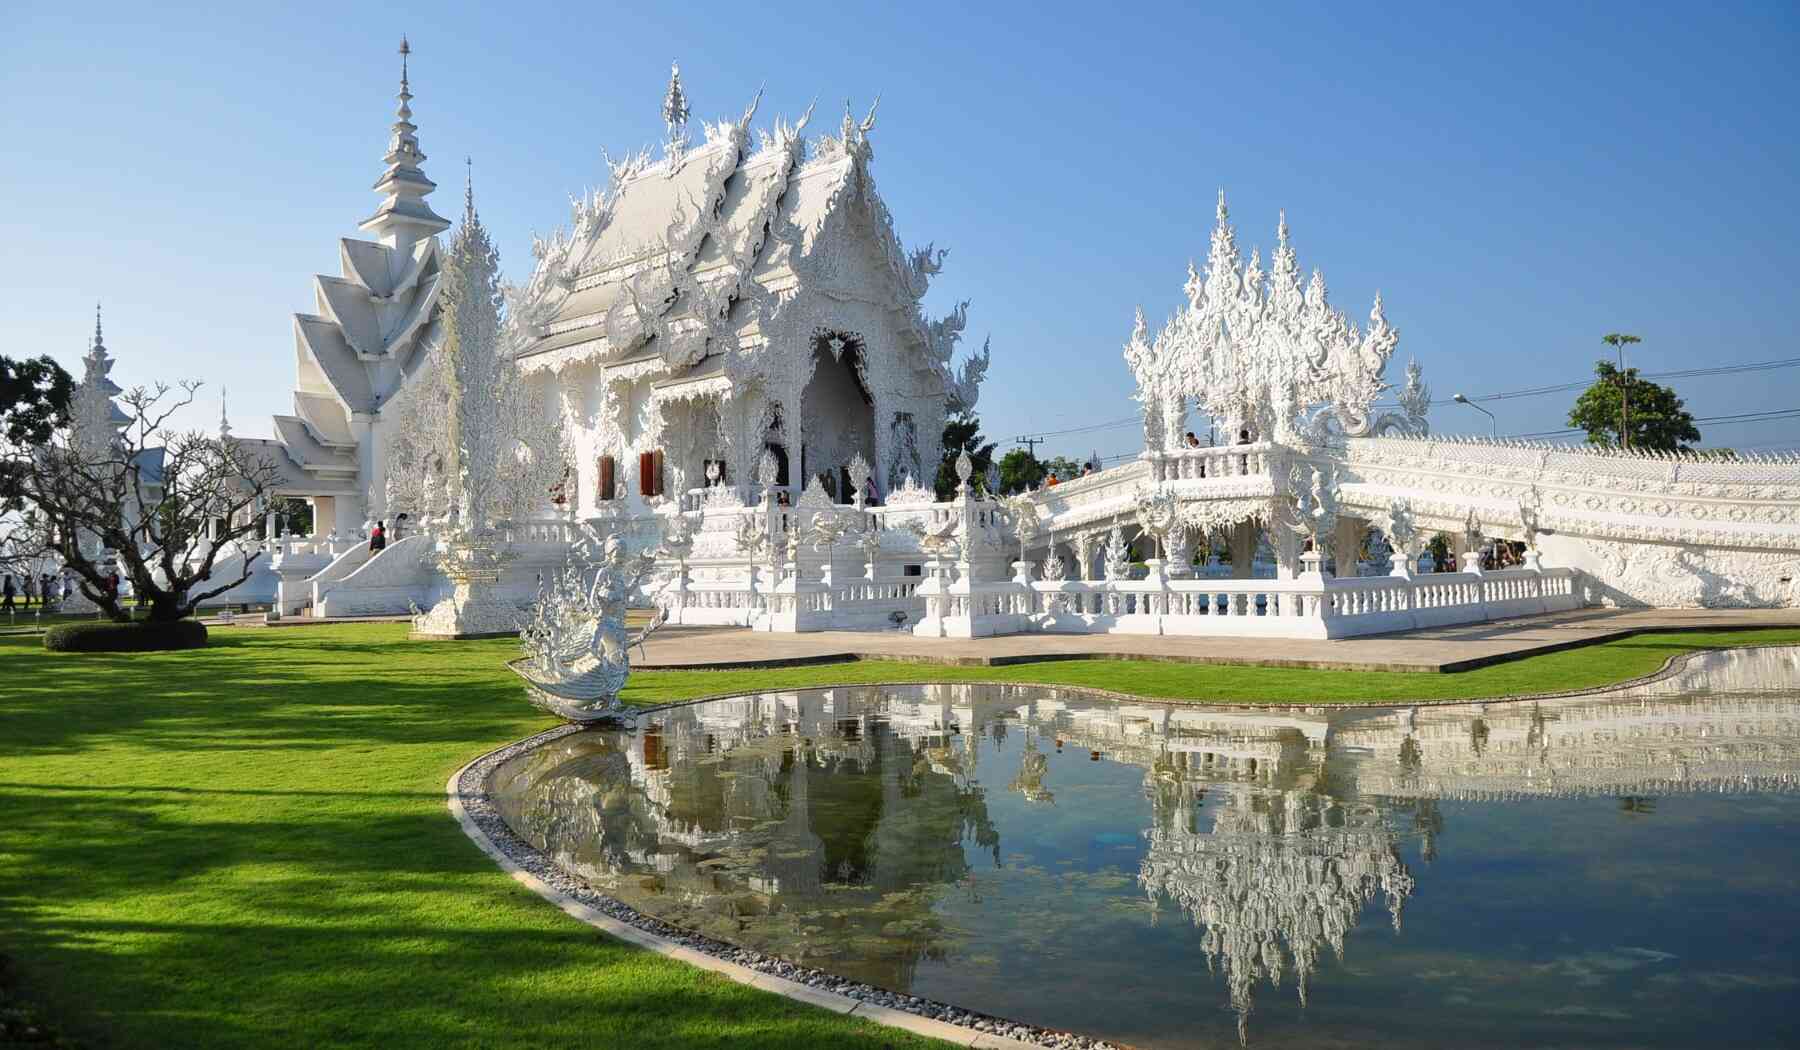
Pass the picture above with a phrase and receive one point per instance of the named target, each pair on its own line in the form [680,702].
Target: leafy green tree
[1019,470]
[296,516]
[1658,419]
[963,434]
[34,401]
[1063,467]
[1440,551]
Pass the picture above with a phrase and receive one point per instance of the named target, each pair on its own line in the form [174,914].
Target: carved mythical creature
[1158,513]
[577,648]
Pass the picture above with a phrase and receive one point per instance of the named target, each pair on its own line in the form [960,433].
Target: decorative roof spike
[403,216]
[98,344]
[1222,212]
[675,107]
[224,417]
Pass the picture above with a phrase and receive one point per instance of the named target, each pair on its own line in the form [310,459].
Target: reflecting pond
[1613,870]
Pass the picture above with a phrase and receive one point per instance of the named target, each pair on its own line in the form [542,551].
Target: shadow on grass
[246,692]
[231,917]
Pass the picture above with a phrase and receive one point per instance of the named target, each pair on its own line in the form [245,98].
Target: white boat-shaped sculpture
[577,647]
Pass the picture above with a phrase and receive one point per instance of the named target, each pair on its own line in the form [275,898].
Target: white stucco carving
[733,333]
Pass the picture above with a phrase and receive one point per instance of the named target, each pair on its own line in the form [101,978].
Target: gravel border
[469,801]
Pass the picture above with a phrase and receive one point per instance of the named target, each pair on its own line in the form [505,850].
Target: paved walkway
[1439,649]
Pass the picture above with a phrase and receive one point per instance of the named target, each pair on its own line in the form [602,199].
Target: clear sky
[1516,182]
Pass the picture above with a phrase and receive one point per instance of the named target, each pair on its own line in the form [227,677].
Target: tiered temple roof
[371,326]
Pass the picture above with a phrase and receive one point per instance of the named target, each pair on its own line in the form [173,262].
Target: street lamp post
[1493,424]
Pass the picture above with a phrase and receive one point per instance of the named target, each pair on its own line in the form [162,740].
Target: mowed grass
[247,845]
[1570,669]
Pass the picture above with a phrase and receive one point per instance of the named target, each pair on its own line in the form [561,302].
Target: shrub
[143,636]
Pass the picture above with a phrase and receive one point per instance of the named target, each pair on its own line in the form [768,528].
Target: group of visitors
[42,588]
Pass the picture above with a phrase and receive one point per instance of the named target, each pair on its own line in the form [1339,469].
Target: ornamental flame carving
[1265,352]
[472,434]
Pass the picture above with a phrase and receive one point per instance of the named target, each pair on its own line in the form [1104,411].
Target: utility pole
[1619,341]
[1031,442]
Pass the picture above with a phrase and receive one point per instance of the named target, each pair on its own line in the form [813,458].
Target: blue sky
[1516,183]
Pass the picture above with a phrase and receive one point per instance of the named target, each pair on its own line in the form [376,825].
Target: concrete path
[1440,649]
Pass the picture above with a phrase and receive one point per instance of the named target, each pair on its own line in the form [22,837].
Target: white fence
[937,605]
[1311,606]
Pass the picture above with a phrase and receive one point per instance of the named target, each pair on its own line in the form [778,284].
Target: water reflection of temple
[771,818]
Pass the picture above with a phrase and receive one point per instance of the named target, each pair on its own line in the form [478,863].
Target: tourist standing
[11,589]
[377,538]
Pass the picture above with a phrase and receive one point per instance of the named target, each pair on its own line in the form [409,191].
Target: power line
[1683,373]
[1031,441]
[1736,417]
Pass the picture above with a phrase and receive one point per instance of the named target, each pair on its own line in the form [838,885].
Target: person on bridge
[377,538]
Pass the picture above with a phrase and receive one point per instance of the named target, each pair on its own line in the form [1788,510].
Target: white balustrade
[1258,459]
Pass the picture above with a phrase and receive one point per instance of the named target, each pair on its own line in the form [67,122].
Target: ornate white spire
[94,419]
[224,417]
[98,362]
[675,109]
[403,216]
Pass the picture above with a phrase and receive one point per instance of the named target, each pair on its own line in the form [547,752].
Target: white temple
[732,336]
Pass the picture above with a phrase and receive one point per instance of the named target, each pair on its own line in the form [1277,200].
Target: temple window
[608,470]
[650,473]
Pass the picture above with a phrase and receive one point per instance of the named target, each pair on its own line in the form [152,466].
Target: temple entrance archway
[837,411]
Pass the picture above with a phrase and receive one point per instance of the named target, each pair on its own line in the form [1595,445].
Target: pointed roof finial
[1222,213]
[97,341]
[403,217]
[675,106]
[468,185]
[224,418]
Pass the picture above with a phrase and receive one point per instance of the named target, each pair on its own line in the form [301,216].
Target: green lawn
[247,845]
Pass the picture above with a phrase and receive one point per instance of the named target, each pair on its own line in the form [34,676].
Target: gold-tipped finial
[405,49]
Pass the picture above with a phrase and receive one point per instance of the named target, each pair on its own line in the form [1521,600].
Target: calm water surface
[1611,871]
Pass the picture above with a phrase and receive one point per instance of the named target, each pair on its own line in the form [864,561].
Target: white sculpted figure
[1403,533]
[1158,514]
[1315,504]
[1118,556]
[577,648]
